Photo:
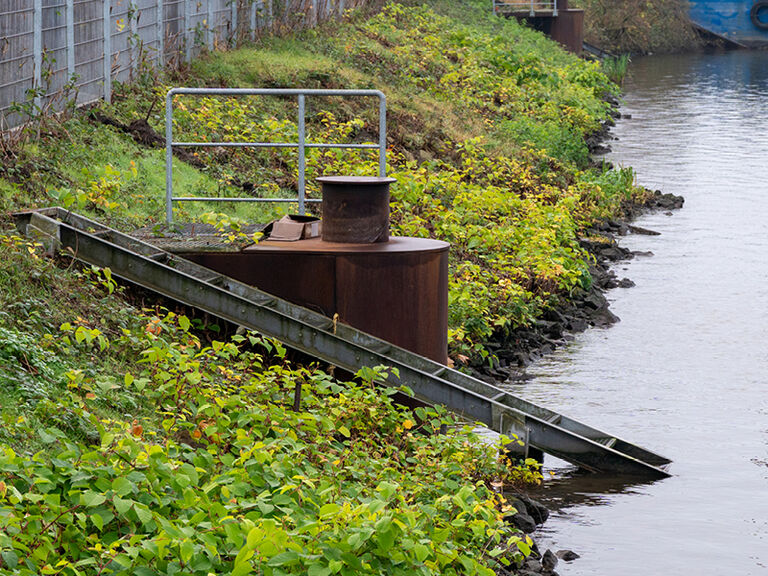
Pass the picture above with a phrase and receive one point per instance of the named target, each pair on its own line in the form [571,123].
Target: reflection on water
[685,373]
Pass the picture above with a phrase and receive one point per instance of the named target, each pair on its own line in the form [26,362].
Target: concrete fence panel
[56,51]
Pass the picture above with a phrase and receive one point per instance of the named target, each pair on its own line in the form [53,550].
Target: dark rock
[553,315]
[519,505]
[613,253]
[626,283]
[535,509]
[578,325]
[643,231]
[535,550]
[548,561]
[522,522]
[484,377]
[533,565]
[567,555]
[642,253]
[665,201]
[603,317]
[527,573]
[627,116]
[595,300]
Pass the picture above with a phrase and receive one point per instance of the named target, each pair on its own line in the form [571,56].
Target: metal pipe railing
[301,145]
[533,6]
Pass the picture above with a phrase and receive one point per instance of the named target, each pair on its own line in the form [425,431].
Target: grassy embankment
[133,442]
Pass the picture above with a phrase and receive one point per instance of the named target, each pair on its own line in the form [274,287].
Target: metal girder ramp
[348,348]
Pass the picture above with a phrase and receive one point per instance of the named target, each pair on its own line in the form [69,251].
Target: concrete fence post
[233,26]
[186,33]
[135,42]
[37,52]
[253,20]
[211,26]
[70,18]
[107,42]
[160,31]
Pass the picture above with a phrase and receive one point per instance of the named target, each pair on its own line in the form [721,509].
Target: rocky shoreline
[585,308]
[529,515]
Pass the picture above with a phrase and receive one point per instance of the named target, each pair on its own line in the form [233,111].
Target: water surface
[685,373]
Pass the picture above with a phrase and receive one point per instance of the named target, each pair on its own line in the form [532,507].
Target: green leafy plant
[224,477]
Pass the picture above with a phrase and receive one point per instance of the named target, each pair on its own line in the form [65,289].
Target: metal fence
[301,143]
[54,51]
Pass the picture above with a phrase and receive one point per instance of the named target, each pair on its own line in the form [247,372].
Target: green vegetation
[487,128]
[136,440]
[616,68]
[129,444]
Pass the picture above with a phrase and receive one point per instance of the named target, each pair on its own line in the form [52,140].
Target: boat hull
[730,19]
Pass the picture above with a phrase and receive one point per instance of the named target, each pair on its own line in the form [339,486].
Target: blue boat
[741,22]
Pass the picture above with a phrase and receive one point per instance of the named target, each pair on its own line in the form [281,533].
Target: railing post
[70,9]
[382,135]
[533,11]
[37,52]
[302,159]
[169,157]
[107,14]
[554,8]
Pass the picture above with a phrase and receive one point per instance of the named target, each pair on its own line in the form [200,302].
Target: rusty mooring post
[355,209]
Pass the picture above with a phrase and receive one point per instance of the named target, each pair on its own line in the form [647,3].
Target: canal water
[685,372]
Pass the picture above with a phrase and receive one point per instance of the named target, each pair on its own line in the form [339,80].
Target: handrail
[301,145]
[534,6]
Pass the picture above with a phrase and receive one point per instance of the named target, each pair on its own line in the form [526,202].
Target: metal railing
[301,144]
[532,6]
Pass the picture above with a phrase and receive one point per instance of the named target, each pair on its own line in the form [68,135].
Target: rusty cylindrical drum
[355,209]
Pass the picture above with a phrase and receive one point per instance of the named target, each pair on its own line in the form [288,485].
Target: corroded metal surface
[396,290]
[355,209]
[181,238]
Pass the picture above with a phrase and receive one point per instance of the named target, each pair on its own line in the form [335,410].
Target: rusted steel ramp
[346,347]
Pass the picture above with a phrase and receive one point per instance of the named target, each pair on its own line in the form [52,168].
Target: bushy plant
[249,465]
